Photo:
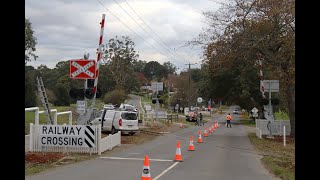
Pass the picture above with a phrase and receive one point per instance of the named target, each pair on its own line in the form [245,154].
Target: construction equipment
[44,100]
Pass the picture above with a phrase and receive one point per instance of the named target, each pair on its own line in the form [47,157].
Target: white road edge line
[173,165]
[166,160]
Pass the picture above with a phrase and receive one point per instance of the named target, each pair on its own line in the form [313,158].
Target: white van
[114,121]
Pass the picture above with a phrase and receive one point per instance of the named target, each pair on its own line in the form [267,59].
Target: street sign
[255,115]
[67,136]
[157,86]
[254,110]
[274,85]
[148,107]
[81,107]
[82,69]
[199,99]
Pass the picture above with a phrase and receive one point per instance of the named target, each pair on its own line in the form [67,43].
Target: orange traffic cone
[178,153]
[191,146]
[205,134]
[199,138]
[146,169]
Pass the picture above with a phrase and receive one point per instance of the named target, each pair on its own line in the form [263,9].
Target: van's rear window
[129,116]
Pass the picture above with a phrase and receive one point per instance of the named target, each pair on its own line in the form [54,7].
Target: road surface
[225,155]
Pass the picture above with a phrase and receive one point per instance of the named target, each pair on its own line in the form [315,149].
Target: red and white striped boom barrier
[98,61]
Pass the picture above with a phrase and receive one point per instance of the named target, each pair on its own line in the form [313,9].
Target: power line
[153,31]
[130,29]
[143,28]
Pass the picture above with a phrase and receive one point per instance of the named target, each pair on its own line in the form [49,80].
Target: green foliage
[281,115]
[29,90]
[121,55]
[30,41]
[62,95]
[155,71]
[115,97]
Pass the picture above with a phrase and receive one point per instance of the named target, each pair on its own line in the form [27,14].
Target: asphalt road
[225,155]
[135,100]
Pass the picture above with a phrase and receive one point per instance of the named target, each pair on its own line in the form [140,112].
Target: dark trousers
[228,123]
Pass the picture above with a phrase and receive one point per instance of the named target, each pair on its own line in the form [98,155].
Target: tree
[155,71]
[30,87]
[120,55]
[242,30]
[170,68]
[30,42]
[138,66]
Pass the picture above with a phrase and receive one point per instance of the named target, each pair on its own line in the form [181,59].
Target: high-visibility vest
[229,117]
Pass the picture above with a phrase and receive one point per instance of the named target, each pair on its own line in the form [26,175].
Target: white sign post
[81,107]
[254,112]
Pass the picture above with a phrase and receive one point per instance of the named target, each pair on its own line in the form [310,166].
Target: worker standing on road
[229,118]
[201,122]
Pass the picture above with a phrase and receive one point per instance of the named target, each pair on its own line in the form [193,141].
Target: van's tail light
[120,122]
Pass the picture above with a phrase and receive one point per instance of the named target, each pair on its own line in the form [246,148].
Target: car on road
[236,111]
[114,121]
[192,116]
[128,107]
[108,107]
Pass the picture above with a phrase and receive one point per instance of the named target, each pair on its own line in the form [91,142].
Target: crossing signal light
[89,94]
[154,101]
[76,94]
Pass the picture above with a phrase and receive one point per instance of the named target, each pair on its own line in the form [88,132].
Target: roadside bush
[115,97]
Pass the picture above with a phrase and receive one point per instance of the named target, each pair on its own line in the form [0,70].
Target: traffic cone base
[199,139]
[205,134]
[146,169]
[178,156]
[191,146]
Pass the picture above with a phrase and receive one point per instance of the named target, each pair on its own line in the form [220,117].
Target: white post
[284,135]
[55,117]
[70,118]
[99,139]
[31,137]
[260,133]
[36,116]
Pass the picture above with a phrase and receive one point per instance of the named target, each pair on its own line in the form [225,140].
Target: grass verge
[248,122]
[278,159]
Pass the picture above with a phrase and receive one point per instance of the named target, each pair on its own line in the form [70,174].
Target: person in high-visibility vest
[229,118]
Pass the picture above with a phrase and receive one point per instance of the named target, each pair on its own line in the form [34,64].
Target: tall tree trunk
[292,108]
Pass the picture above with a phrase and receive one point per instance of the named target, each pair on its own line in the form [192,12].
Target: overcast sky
[66,29]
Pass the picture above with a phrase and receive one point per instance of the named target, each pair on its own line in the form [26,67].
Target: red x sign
[82,69]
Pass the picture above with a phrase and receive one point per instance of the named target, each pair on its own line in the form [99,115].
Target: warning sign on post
[82,69]
[67,135]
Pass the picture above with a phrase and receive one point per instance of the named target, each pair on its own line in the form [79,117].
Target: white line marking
[173,165]
[163,160]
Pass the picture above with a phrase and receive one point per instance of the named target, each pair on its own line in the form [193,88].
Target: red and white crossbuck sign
[82,69]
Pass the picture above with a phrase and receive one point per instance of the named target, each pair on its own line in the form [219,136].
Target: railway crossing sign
[82,69]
